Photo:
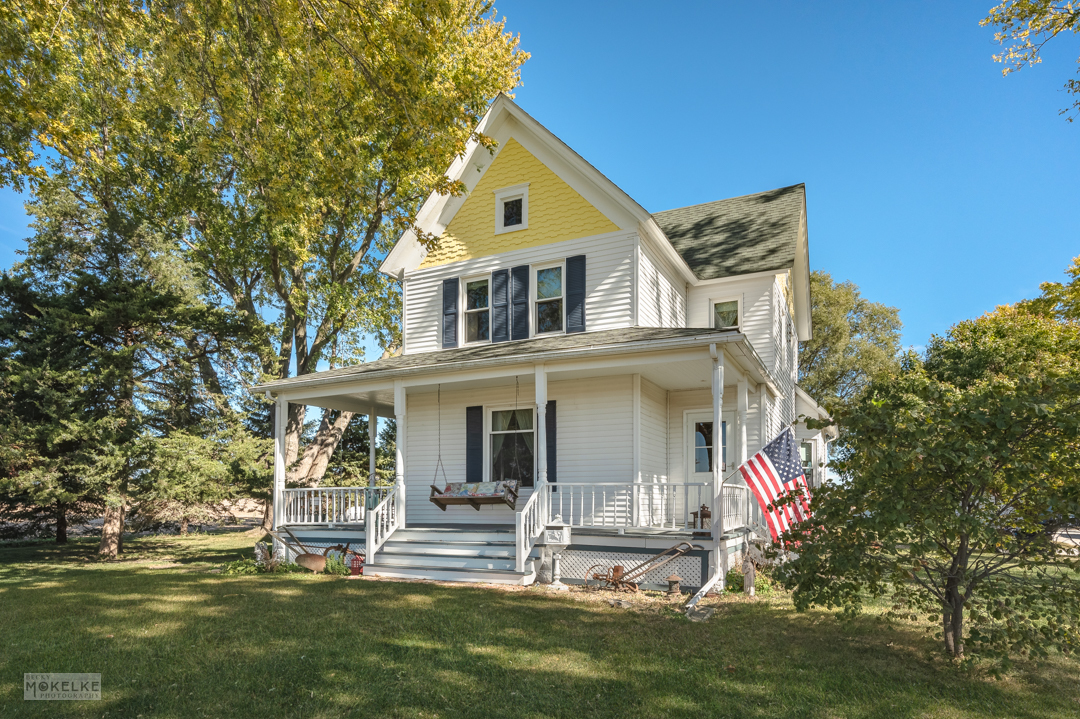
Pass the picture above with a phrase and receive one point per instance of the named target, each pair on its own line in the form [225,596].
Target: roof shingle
[738,236]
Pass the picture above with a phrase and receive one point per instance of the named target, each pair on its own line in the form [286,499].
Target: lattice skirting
[576,560]
[317,547]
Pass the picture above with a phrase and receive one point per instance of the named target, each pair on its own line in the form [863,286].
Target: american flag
[772,473]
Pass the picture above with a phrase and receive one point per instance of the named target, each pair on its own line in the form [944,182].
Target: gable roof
[740,235]
[503,120]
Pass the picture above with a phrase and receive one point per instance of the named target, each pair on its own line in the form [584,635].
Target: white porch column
[399,444]
[281,418]
[373,434]
[717,466]
[541,427]
[740,437]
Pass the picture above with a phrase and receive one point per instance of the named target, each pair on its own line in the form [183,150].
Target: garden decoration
[620,580]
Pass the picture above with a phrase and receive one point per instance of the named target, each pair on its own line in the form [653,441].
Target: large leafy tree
[1025,26]
[280,145]
[855,340]
[958,471]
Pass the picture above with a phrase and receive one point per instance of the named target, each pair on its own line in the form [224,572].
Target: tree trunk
[312,465]
[61,523]
[268,515]
[952,620]
[294,427]
[112,530]
[184,525]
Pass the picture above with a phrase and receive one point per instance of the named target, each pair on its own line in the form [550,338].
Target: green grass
[171,639]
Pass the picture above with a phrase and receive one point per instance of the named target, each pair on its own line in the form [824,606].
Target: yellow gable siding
[556,212]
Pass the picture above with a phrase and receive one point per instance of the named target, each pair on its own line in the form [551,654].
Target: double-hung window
[512,443]
[477,310]
[806,457]
[549,300]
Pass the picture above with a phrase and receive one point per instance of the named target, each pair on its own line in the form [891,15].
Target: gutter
[550,355]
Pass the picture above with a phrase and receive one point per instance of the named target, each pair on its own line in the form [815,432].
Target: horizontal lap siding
[757,320]
[608,284]
[653,433]
[661,292]
[594,432]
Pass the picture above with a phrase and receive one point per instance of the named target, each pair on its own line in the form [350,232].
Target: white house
[615,365]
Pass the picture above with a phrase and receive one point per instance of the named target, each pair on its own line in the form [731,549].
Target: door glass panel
[703,446]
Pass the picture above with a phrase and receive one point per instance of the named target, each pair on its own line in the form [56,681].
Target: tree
[957,473]
[287,143]
[854,341]
[1059,300]
[1028,25]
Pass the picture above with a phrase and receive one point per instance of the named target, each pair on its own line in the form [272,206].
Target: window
[512,442]
[725,314]
[512,212]
[477,314]
[806,454]
[549,300]
[512,208]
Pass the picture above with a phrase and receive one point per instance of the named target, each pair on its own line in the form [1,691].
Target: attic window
[725,314]
[512,209]
[512,212]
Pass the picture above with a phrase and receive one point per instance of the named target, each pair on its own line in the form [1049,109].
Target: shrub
[242,567]
[336,565]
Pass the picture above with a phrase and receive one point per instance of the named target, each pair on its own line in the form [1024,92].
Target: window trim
[713,301]
[534,301]
[490,409]
[465,311]
[512,193]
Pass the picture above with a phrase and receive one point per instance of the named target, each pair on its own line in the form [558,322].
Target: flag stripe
[768,490]
[752,482]
[778,491]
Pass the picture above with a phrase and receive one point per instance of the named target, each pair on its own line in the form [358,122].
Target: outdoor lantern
[673,585]
[356,564]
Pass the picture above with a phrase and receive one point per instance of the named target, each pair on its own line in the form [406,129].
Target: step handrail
[380,523]
[529,524]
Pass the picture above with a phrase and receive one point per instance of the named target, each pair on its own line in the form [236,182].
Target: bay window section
[512,442]
[477,313]
[549,300]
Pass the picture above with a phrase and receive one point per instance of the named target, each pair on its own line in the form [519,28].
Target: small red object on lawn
[357,565]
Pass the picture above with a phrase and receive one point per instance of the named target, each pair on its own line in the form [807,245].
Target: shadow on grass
[186,644]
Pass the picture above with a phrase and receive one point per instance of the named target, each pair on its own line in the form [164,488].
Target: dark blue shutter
[474,444]
[500,305]
[449,312]
[520,297]
[575,294]
[549,423]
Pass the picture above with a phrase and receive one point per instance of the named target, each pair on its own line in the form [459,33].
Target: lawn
[172,639]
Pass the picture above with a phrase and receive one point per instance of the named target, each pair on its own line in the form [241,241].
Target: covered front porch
[624,442]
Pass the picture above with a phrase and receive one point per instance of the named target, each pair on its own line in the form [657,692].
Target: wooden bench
[475,494]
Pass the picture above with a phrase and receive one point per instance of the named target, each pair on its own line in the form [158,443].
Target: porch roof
[630,339]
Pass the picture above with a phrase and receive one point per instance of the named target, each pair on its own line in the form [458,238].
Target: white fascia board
[504,119]
[800,281]
[652,233]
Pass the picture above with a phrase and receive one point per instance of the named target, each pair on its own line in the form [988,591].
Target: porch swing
[472,493]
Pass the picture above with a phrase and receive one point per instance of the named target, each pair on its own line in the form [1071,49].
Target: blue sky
[936,185]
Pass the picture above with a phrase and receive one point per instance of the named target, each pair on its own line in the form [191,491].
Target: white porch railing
[331,505]
[530,523]
[655,505]
[381,522]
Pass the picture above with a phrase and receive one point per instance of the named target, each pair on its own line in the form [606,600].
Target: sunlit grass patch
[188,643]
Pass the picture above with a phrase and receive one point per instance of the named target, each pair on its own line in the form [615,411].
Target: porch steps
[452,555]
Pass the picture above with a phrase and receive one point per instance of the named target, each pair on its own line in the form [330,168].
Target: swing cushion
[476,493]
